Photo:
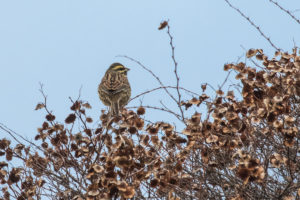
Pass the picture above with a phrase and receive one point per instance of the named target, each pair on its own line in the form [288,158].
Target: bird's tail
[115,109]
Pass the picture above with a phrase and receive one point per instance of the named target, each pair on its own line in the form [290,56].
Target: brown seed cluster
[163,25]
[246,146]
[254,134]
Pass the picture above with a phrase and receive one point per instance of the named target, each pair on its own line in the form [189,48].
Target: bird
[114,89]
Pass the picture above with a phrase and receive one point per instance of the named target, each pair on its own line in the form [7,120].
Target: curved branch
[254,25]
[163,87]
[286,11]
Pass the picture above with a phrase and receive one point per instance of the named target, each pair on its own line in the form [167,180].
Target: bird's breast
[112,82]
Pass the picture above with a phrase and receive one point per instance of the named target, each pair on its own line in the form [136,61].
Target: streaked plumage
[114,90]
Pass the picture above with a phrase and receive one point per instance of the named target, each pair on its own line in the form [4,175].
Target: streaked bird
[114,90]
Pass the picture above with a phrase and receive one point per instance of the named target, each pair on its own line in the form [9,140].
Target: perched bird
[114,90]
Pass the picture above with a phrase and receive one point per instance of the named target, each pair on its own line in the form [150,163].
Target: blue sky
[69,44]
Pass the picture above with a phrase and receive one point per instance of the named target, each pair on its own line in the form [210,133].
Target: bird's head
[119,68]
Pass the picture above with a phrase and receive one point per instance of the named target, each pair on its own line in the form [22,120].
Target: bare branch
[14,134]
[159,88]
[148,70]
[175,72]
[253,24]
[286,11]
[157,108]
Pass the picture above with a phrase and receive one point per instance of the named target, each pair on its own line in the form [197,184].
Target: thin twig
[4,128]
[14,134]
[286,11]
[158,88]
[148,70]
[255,63]
[175,72]
[225,80]
[45,100]
[156,108]
[169,110]
[254,25]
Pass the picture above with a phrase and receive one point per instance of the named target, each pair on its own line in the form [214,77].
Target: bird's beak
[127,69]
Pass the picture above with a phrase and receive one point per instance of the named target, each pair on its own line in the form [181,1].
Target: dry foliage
[244,148]
[246,145]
